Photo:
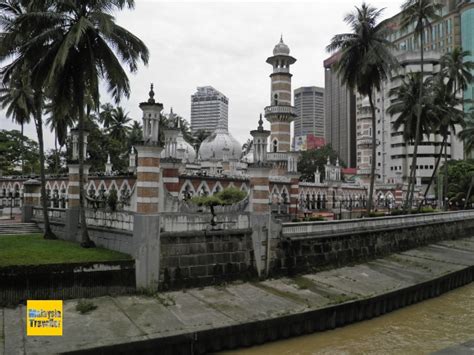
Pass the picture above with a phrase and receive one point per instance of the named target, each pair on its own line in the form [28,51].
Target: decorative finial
[151,100]
[281,38]
[260,123]
[132,150]
[108,158]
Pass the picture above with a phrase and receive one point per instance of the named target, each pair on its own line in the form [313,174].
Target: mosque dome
[220,144]
[281,48]
[184,150]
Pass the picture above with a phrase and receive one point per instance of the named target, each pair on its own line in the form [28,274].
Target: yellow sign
[44,318]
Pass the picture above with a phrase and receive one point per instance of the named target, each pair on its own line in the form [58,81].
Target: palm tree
[199,137]
[118,127]
[365,61]
[106,115]
[80,40]
[420,13]
[247,147]
[457,69]
[135,135]
[59,121]
[17,99]
[22,58]
[446,116]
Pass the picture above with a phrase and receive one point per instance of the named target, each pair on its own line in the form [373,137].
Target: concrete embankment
[237,315]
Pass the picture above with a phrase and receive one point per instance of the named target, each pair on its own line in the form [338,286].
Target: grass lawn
[34,250]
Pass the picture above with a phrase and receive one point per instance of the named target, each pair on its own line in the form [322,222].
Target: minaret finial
[260,123]
[281,38]
[151,99]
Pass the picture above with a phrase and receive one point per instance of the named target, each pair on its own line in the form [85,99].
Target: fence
[117,220]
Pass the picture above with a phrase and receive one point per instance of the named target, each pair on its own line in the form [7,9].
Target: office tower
[339,118]
[208,107]
[309,105]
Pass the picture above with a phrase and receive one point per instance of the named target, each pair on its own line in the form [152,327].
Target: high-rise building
[208,107]
[393,154]
[339,118]
[309,105]
[454,28]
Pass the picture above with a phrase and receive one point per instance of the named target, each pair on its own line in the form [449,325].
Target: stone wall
[62,281]
[205,257]
[308,246]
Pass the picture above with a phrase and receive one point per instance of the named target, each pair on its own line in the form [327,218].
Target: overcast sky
[225,45]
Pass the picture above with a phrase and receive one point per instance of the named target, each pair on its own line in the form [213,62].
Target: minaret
[280,113]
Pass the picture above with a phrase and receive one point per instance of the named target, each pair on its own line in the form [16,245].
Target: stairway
[19,228]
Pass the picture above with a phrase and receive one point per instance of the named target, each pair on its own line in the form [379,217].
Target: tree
[118,127]
[446,108]
[17,99]
[135,135]
[460,177]
[18,150]
[17,46]
[247,147]
[199,137]
[106,115]
[82,44]
[420,13]
[313,159]
[457,69]
[59,121]
[365,61]
[467,134]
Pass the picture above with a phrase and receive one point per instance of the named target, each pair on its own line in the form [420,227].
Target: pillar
[73,186]
[170,176]
[148,179]
[260,189]
[294,193]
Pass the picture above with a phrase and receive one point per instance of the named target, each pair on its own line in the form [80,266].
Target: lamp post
[446,203]
[340,208]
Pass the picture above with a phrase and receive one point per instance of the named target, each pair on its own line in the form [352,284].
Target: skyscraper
[309,105]
[208,107]
[339,118]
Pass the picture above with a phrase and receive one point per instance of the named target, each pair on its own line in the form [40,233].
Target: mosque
[162,178]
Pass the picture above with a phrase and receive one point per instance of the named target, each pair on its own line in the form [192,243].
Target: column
[148,178]
[170,176]
[73,187]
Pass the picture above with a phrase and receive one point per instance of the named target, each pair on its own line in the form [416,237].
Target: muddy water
[422,328]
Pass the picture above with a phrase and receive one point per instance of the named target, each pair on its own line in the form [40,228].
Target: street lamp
[446,203]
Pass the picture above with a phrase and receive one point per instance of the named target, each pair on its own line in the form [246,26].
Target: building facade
[340,114]
[454,28]
[394,154]
[309,105]
[208,107]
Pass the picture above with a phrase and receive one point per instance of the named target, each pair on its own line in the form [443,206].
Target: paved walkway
[125,319]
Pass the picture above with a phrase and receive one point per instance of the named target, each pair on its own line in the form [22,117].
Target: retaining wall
[62,281]
[205,257]
[305,246]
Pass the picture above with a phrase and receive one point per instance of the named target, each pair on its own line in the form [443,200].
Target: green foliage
[316,158]
[377,214]
[84,306]
[13,148]
[231,195]
[460,177]
[225,197]
[112,200]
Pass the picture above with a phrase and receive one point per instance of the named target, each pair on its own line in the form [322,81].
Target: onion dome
[281,48]
[220,145]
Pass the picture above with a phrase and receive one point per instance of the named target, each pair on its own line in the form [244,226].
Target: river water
[422,328]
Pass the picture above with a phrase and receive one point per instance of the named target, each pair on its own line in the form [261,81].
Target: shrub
[231,195]
[376,214]
[112,200]
[397,212]
[315,218]
[227,196]
[84,306]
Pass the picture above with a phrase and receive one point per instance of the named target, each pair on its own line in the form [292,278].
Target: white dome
[219,144]
[184,150]
[281,48]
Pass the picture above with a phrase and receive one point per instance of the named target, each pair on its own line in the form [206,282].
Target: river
[422,328]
